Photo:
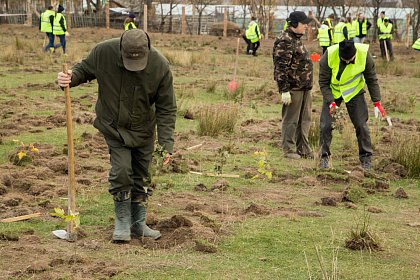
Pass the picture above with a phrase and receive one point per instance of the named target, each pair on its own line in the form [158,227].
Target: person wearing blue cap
[129,22]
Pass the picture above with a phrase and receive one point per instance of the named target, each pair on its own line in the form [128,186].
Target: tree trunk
[170,17]
[200,13]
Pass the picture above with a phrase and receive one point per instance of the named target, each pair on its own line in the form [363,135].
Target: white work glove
[63,79]
[286,98]
[67,34]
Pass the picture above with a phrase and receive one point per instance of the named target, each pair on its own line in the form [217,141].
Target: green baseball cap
[135,49]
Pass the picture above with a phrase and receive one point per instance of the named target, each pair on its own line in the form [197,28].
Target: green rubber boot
[122,203]
[138,222]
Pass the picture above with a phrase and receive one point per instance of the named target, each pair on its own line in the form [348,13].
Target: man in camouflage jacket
[293,72]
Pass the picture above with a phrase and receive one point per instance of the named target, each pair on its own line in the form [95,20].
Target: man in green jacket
[135,94]
[344,70]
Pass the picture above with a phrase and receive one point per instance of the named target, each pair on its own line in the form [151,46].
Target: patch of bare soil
[260,130]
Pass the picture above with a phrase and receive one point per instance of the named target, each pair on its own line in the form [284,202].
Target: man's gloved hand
[333,108]
[379,110]
[286,98]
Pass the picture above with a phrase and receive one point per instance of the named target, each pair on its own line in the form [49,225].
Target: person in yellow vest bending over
[362,26]
[340,31]
[343,72]
[252,37]
[129,22]
[416,45]
[385,37]
[323,37]
[60,28]
[46,25]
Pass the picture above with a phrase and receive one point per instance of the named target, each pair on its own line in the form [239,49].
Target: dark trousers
[50,41]
[130,168]
[324,49]
[388,46]
[358,112]
[62,43]
[296,121]
[251,46]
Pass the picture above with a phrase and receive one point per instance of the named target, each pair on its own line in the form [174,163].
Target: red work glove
[379,110]
[333,107]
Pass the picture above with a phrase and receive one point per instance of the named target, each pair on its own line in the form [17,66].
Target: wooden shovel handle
[72,179]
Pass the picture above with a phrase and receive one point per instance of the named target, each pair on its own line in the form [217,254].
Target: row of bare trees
[263,9]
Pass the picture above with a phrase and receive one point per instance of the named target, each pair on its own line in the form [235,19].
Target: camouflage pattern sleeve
[282,57]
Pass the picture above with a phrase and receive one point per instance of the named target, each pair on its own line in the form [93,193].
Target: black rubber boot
[138,222]
[367,163]
[122,203]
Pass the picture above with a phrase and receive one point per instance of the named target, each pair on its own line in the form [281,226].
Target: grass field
[281,219]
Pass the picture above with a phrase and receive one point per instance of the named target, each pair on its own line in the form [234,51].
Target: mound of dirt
[259,210]
[329,201]
[400,193]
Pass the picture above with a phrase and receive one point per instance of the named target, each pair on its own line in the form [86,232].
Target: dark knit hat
[50,7]
[347,50]
[60,9]
[131,15]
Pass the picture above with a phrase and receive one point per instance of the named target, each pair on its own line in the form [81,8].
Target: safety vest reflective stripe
[351,80]
[45,21]
[57,30]
[386,30]
[338,33]
[416,44]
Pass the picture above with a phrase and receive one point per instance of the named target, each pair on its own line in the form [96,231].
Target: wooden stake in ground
[225,23]
[407,30]
[145,18]
[233,85]
[71,230]
[386,51]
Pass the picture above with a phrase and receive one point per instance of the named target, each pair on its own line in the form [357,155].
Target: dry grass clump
[217,119]
[406,152]
[179,58]
[362,238]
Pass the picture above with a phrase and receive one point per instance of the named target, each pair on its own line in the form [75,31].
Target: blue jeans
[62,43]
[50,41]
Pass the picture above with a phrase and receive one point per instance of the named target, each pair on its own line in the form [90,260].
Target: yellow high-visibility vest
[338,33]
[364,27]
[323,37]
[45,21]
[385,31]
[351,80]
[57,30]
[128,24]
[416,45]
[251,34]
